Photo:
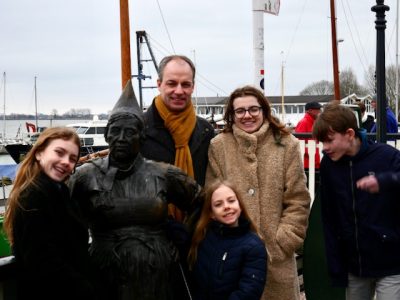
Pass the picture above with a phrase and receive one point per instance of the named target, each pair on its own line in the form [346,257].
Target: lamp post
[380,26]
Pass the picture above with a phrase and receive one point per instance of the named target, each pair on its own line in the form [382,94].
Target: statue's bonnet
[127,105]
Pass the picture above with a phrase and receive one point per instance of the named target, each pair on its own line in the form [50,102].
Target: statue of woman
[124,198]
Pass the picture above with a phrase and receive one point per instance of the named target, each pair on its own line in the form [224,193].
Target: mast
[36,116]
[125,42]
[195,87]
[4,108]
[283,90]
[336,82]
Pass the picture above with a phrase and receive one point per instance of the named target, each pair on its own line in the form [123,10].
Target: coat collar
[224,230]
[46,181]
[155,129]
[248,141]
[309,118]
[109,172]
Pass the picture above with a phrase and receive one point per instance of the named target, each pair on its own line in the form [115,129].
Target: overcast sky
[73,46]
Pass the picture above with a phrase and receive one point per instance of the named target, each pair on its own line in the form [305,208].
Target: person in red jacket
[313,109]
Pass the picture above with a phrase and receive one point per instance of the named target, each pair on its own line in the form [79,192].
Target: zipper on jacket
[355,217]
[221,267]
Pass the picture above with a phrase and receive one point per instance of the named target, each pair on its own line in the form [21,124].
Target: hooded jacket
[362,230]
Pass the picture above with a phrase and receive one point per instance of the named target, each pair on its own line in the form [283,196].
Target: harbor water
[6,159]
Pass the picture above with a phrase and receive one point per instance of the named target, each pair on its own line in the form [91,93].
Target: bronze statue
[125,198]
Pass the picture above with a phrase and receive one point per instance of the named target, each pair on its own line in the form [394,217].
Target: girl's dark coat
[50,244]
[231,264]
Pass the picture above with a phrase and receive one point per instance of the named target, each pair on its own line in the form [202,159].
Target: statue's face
[123,138]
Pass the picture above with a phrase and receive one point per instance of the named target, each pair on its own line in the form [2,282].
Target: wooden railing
[312,147]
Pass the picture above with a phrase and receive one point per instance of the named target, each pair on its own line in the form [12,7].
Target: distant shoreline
[21,117]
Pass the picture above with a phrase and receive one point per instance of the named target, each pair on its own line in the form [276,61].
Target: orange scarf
[181,126]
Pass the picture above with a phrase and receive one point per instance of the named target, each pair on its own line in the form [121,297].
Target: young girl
[227,256]
[43,225]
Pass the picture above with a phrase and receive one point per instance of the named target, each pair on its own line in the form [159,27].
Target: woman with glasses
[262,159]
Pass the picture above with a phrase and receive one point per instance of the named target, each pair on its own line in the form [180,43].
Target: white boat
[91,134]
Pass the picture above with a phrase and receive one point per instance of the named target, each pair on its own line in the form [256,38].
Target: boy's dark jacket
[241,275]
[362,230]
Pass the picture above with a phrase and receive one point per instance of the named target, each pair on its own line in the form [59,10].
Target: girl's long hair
[205,218]
[29,170]
[278,129]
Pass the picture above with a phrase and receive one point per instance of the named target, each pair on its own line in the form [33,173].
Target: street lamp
[380,25]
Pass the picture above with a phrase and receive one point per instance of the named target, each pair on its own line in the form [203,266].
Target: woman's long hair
[30,169]
[205,218]
[278,128]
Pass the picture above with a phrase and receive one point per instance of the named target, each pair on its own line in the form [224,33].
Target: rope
[165,25]
[157,46]
[352,37]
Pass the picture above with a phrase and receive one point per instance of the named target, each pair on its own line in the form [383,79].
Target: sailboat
[4,140]
[22,143]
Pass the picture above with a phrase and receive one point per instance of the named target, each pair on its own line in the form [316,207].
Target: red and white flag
[268,6]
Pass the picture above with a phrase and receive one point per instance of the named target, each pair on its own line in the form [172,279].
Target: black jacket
[159,144]
[368,123]
[50,244]
[231,264]
[362,230]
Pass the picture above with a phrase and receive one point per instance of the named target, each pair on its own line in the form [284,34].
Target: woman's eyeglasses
[254,111]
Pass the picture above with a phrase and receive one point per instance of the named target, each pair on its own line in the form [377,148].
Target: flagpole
[258,44]
[259,7]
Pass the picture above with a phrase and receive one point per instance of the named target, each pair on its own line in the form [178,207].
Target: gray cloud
[73,46]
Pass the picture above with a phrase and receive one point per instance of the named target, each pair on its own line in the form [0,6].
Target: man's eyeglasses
[254,111]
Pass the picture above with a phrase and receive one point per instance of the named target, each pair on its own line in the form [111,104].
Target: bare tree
[78,112]
[349,84]
[322,87]
[369,79]
[390,83]
[54,112]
